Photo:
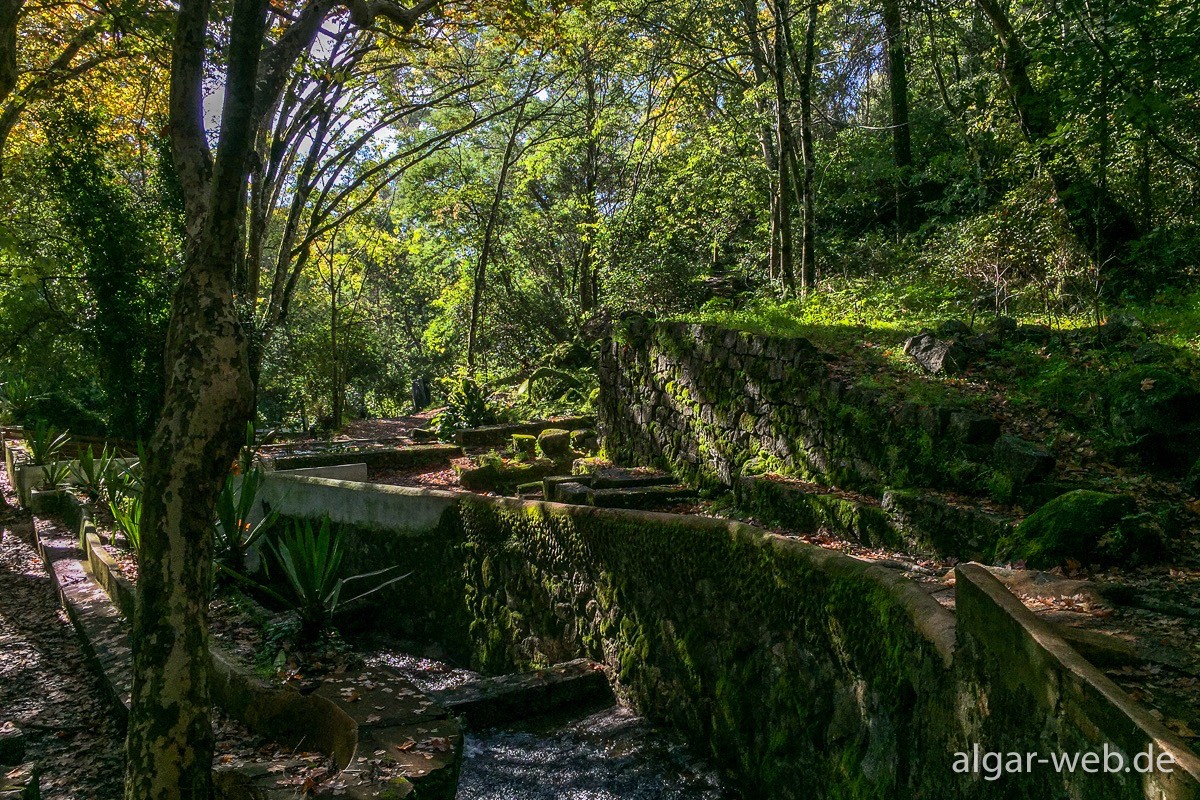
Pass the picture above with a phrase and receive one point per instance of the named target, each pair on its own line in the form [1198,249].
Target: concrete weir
[803,672]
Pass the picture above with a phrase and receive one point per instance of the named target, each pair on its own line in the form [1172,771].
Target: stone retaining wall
[707,402]
[805,673]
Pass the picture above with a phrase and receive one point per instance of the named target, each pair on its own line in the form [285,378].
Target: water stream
[611,754]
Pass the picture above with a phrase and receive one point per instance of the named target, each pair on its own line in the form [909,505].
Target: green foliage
[45,442]
[467,406]
[127,516]
[310,562]
[233,533]
[56,474]
[92,473]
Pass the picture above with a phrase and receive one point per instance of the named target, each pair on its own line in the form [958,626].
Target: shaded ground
[46,688]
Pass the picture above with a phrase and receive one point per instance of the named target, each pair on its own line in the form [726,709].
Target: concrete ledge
[1021,655]
[563,687]
[379,457]
[396,508]
[336,472]
[501,435]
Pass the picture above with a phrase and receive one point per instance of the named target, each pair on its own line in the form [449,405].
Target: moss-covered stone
[1070,526]
[554,443]
[524,445]
[1157,412]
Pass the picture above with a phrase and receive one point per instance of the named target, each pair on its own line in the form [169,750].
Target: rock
[422,435]
[585,440]
[953,328]
[1153,353]
[1003,326]
[1119,327]
[1156,412]
[554,443]
[1070,526]
[524,445]
[969,428]
[1037,334]
[936,355]
[1021,460]
[930,525]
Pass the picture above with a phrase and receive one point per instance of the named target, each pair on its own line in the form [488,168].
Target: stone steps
[569,686]
[617,487]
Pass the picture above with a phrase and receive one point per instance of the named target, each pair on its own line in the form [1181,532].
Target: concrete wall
[804,672]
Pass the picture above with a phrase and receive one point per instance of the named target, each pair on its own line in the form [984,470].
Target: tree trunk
[485,248]
[808,250]
[782,162]
[588,283]
[1102,224]
[207,402]
[893,25]
[10,13]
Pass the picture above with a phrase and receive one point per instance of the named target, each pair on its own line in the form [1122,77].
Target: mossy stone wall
[706,402]
[803,672]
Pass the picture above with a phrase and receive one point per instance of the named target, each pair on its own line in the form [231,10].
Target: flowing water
[612,754]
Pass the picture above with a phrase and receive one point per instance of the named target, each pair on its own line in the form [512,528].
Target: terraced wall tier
[706,402]
[803,672]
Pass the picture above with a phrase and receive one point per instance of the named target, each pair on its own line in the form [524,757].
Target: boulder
[1153,353]
[1003,326]
[554,443]
[524,445]
[1021,460]
[936,355]
[969,428]
[953,328]
[1037,334]
[585,440]
[1156,412]
[1073,525]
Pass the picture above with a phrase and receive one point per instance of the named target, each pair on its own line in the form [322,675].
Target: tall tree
[209,392]
[1102,223]
[897,65]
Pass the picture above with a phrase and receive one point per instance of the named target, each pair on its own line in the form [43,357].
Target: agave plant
[122,480]
[234,534]
[56,474]
[45,442]
[91,473]
[311,561]
[127,515]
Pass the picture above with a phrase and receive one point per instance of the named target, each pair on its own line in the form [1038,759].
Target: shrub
[311,561]
[45,443]
[234,535]
[127,515]
[466,407]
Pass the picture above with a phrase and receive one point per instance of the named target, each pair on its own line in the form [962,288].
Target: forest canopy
[481,192]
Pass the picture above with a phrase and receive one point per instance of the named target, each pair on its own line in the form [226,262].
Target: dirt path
[46,688]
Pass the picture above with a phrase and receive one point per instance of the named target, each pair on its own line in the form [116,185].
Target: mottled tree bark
[209,397]
[10,12]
